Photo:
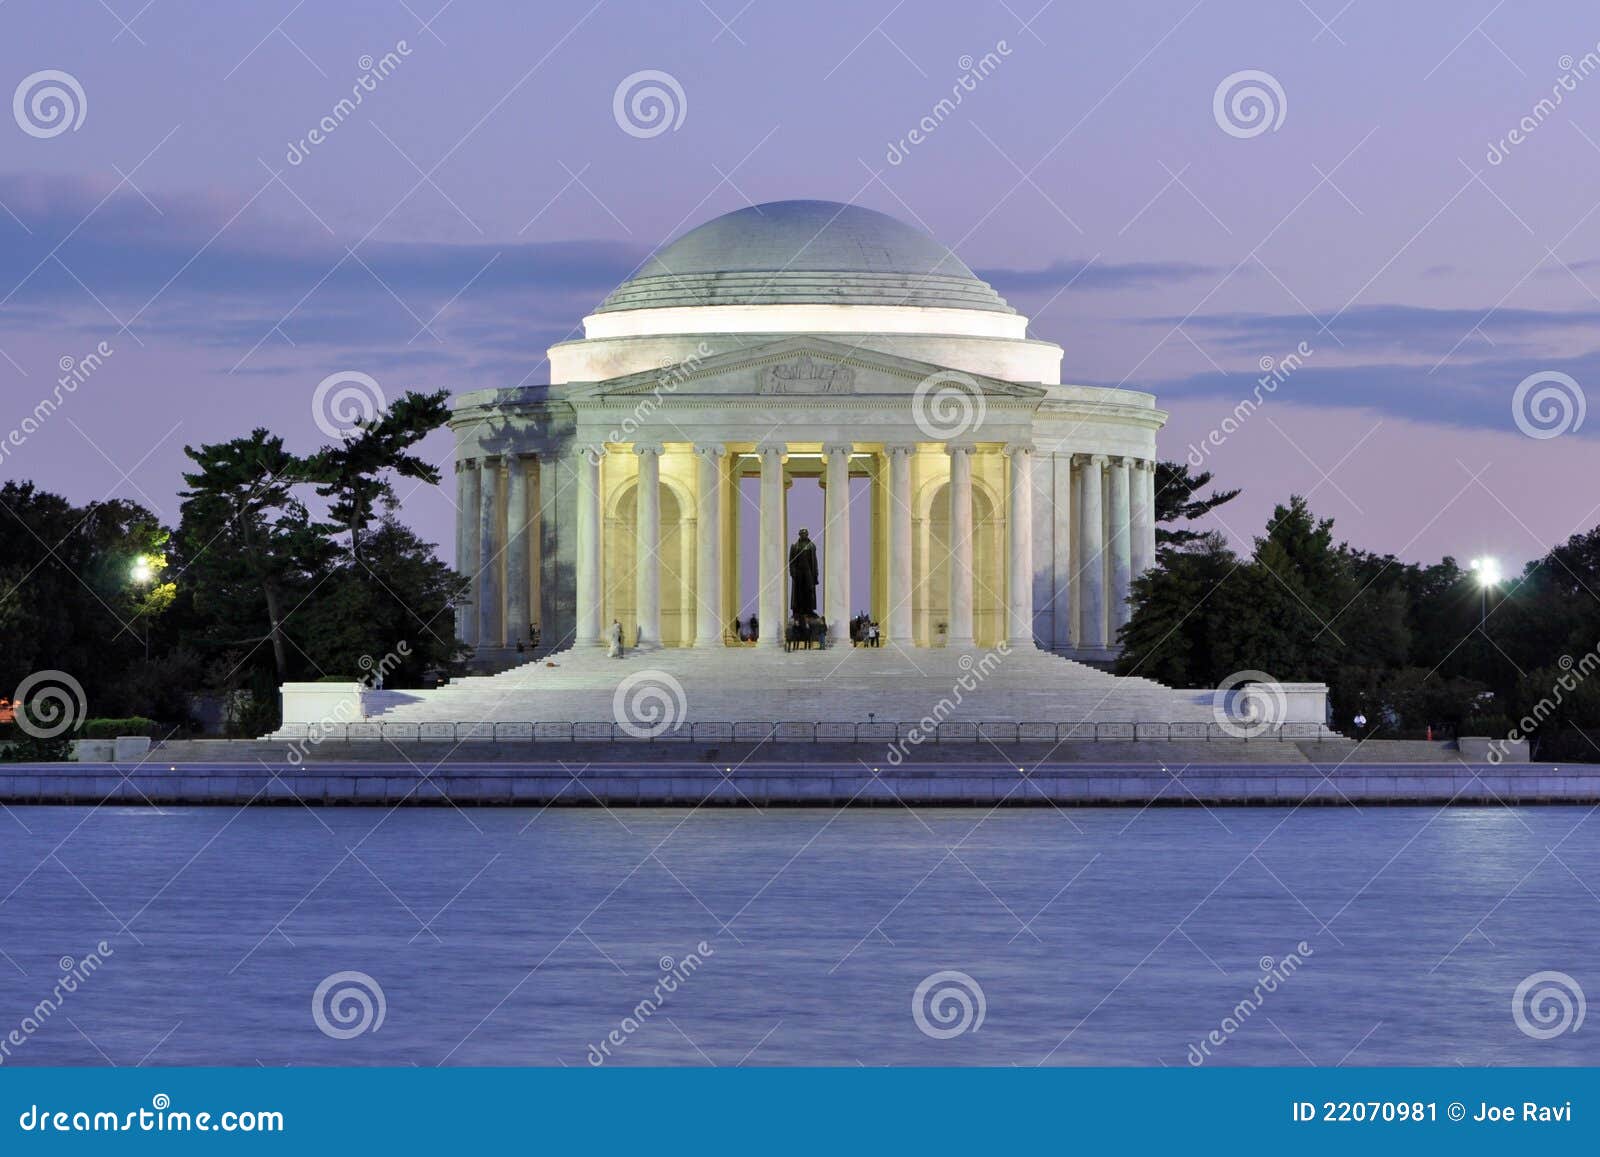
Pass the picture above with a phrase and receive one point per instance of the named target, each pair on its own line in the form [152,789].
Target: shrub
[112,728]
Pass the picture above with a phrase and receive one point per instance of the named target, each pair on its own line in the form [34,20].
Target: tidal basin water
[523,937]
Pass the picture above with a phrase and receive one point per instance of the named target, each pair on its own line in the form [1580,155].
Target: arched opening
[676,561]
[930,617]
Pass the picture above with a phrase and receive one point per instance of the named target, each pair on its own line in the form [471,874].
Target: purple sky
[483,198]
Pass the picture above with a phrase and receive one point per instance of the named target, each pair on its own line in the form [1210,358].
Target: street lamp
[1488,572]
[141,573]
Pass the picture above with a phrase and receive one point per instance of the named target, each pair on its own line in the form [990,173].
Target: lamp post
[141,574]
[1488,572]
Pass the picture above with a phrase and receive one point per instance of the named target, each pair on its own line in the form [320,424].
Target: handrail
[795,731]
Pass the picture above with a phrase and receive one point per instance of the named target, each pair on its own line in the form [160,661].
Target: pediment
[800,367]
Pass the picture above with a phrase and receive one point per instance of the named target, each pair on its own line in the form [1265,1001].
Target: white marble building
[804,339]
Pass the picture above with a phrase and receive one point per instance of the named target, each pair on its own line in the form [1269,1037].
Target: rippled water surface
[524,937]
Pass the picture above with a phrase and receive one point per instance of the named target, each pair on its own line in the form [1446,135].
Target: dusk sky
[484,197]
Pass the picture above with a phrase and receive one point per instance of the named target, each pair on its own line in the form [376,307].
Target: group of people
[747,630]
[864,632]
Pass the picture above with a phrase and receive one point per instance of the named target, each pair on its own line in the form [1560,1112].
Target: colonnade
[1099,514]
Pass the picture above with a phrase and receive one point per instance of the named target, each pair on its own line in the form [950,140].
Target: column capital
[1091,459]
[781,449]
[491,461]
[906,448]
[712,450]
[648,448]
[1013,449]
[954,448]
[592,452]
[845,449]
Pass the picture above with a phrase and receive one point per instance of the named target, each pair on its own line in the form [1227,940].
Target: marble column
[1121,543]
[517,603]
[647,545]
[1143,515]
[467,516]
[708,544]
[836,544]
[774,569]
[490,548]
[1019,521]
[1091,561]
[899,586]
[960,546]
[1064,608]
[588,630]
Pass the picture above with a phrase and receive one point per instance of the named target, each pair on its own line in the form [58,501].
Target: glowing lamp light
[1487,570]
[141,570]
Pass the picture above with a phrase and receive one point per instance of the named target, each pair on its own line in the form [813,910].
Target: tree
[353,474]
[247,541]
[1178,499]
[68,597]
[395,606]
[1180,612]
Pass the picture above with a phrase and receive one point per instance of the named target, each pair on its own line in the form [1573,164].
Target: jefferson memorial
[803,340]
[981,521]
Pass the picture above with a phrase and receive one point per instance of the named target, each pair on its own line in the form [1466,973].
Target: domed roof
[805,252]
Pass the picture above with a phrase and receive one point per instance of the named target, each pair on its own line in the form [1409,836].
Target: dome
[805,252]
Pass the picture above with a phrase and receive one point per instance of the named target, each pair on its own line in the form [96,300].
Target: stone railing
[789,732]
